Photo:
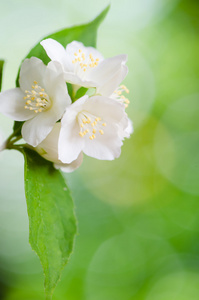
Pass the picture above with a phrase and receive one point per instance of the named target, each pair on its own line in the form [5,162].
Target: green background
[138,216]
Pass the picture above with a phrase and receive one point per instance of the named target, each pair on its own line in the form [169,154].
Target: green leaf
[17,127]
[87,34]
[80,92]
[52,222]
[1,72]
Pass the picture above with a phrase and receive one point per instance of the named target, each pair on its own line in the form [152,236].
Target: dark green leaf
[17,128]
[1,72]
[51,218]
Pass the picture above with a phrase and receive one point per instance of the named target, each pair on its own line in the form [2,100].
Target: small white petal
[107,69]
[12,105]
[56,88]
[34,131]
[32,69]
[111,85]
[106,107]
[56,52]
[106,146]
[70,144]
[48,148]
[125,128]
[68,168]
[129,129]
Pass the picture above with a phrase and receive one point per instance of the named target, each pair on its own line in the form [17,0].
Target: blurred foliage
[138,216]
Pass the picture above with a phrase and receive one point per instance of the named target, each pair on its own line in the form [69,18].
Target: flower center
[119,97]
[85,62]
[90,124]
[36,99]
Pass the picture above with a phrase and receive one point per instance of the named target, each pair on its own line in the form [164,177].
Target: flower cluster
[74,105]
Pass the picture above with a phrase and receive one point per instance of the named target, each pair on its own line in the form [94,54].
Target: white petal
[55,66]
[48,148]
[125,128]
[36,130]
[106,146]
[68,168]
[12,105]
[70,143]
[107,69]
[32,69]
[111,85]
[129,129]
[56,52]
[106,108]
[56,88]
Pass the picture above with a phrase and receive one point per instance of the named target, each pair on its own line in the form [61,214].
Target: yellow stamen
[97,119]
[101,131]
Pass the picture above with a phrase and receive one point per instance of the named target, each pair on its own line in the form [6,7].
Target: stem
[13,135]
[9,143]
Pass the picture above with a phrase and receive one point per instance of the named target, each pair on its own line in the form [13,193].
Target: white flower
[93,125]
[48,149]
[40,100]
[85,66]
